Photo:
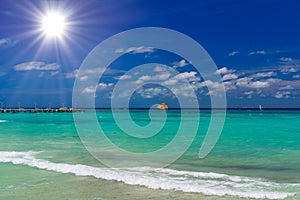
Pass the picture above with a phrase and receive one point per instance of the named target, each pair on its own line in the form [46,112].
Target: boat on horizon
[162,106]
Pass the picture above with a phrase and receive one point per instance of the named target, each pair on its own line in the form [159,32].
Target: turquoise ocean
[257,156]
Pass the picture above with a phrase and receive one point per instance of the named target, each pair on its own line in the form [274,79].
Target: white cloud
[54,73]
[72,74]
[224,70]
[83,78]
[264,74]
[124,77]
[282,94]
[249,92]
[214,87]
[144,78]
[217,88]
[273,80]
[104,85]
[92,89]
[262,52]
[7,42]
[265,83]
[175,82]
[296,76]
[159,68]
[288,87]
[233,53]
[88,90]
[184,90]
[123,94]
[243,82]
[120,50]
[149,93]
[52,66]
[135,50]
[189,76]
[91,72]
[229,77]
[161,77]
[229,85]
[248,82]
[286,59]
[288,69]
[171,82]
[36,66]
[141,49]
[259,84]
[180,90]
[181,63]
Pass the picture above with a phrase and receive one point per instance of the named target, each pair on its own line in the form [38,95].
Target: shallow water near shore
[256,156]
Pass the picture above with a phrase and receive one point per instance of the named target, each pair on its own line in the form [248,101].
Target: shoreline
[88,187]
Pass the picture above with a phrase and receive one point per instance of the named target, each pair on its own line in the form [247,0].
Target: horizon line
[175,108]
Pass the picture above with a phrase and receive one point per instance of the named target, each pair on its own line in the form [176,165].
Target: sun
[53,24]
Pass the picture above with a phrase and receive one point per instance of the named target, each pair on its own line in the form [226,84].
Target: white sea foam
[2,121]
[167,179]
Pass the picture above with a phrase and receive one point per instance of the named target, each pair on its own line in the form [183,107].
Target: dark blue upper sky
[255,45]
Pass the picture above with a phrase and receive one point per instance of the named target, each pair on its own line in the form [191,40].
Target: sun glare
[53,24]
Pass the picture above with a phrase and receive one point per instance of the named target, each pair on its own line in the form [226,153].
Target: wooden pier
[39,110]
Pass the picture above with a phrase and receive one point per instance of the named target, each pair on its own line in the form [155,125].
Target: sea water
[42,156]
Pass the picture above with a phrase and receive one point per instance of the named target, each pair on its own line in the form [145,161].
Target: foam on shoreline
[166,179]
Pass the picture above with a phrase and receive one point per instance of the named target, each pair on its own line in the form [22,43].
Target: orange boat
[162,106]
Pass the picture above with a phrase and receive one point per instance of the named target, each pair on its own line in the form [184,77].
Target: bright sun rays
[53,25]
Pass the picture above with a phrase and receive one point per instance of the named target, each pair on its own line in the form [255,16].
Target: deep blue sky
[255,44]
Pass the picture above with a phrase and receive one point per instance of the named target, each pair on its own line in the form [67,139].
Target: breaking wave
[163,178]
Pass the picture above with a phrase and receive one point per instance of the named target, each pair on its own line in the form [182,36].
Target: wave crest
[167,179]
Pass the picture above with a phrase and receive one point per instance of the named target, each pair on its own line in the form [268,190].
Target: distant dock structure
[40,110]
